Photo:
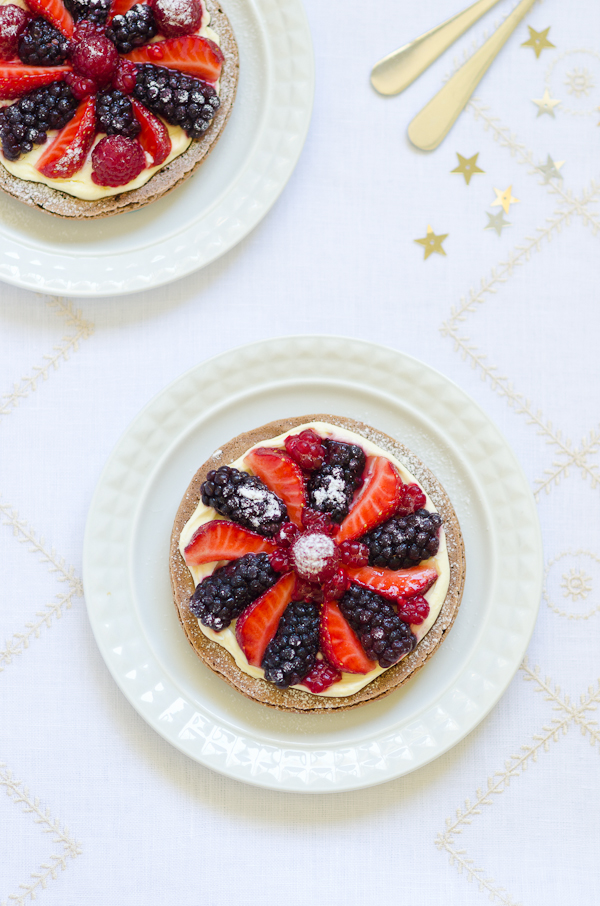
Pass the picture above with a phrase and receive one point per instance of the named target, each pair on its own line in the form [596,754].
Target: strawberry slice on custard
[69,150]
[377,501]
[56,13]
[222,540]
[154,137]
[397,585]
[198,57]
[258,623]
[16,80]
[282,476]
[339,642]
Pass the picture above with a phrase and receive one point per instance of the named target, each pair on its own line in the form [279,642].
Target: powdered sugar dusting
[332,493]
[312,553]
[268,504]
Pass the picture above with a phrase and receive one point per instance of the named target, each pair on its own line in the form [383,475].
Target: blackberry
[180,99]
[245,499]
[331,488]
[221,597]
[41,44]
[403,541]
[292,652]
[93,10]
[382,634]
[25,123]
[115,116]
[136,27]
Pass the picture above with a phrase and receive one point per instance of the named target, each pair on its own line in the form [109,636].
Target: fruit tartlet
[310,566]
[106,105]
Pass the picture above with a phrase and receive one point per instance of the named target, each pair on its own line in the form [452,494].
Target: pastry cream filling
[81,185]
[350,682]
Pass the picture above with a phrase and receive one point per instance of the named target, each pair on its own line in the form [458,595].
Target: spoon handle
[432,124]
[396,71]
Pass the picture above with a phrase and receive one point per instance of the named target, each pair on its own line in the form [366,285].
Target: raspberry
[412,499]
[81,88]
[413,610]
[306,449]
[380,631]
[124,77]
[287,534]
[222,596]
[115,116]
[403,541]
[321,677]
[280,561]
[334,588]
[177,17]
[317,522]
[307,591]
[315,557]
[116,161]
[86,28]
[96,58]
[354,553]
[245,499]
[41,44]
[292,652]
[136,27]
[13,20]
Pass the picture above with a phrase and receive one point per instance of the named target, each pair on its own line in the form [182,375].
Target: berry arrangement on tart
[106,105]
[314,571]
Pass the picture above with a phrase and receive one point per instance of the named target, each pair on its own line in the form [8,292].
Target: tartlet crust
[221,662]
[53,201]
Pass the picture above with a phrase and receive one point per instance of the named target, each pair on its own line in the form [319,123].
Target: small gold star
[504,199]
[432,243]
[496,222]
[538,40]
[546,103]
[550,169]
[467,166]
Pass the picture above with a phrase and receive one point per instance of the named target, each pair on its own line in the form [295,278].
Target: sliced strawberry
[340,644]
[199,57]
[321,677]
[258,623]
[376,502]
[283,476]
[16,80]
[221,540]
[154,137]
[55,12]
[120,7]
[397,585]
[69,150]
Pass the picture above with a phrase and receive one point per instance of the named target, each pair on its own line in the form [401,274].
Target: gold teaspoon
[434,122]
[396,71]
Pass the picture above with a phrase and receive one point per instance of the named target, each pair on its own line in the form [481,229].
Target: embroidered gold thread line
[19,794]
[20,640]
[50,362]
[514,766]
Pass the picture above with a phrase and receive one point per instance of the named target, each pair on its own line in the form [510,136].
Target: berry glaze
[157,91]
[370,617]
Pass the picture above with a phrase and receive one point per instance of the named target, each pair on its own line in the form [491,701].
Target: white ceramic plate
[126,573]
[211,212]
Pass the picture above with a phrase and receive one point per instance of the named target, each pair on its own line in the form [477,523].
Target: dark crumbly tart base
[53,201]
[219,660]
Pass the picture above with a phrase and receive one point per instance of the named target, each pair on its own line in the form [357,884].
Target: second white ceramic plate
[211,212]
[126,575]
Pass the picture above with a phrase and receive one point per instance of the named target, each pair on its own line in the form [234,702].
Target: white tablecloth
[100,809]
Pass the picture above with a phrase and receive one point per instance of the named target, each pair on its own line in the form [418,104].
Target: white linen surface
[512,319]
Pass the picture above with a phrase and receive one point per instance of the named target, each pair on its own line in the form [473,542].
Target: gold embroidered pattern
[49,869]
[575,584]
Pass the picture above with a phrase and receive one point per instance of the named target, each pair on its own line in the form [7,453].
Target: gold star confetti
[546,103]
[432,243]
[538,40]
[505,199]
[467,166]
[550,169]
[497,222]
